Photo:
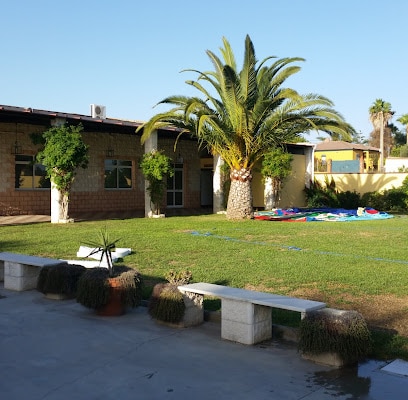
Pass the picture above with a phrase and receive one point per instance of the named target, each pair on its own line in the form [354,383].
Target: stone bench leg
[245,322]
[194,312]
[20,277]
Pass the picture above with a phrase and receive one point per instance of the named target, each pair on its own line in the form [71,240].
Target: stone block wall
[88,192]
[14,201]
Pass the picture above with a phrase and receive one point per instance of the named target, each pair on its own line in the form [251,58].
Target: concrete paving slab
[57,350]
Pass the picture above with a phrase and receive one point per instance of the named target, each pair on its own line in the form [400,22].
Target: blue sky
[127,55]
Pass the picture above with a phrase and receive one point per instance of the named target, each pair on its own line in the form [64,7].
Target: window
[175,187]
[29,174]
[118,174]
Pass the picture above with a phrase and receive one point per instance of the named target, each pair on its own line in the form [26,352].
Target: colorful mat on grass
[321,214]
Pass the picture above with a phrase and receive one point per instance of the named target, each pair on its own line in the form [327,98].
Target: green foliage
[404,185]
[179,277]
[105,246]
[276,165]
[403,151]
[166,303]
[350,200]
[155,167]
[242,114]
[380,105]
[94,289]
[131,283]
[387,345]
[395,199]
[345,333]
[60,279]
[64,151]
[340,263]
[318,196]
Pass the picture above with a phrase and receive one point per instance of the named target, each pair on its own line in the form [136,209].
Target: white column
[55,204]
[268,194]
[309,172]
[55,194]
[149,145]
[218,191]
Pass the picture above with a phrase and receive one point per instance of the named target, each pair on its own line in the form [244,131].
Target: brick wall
[88,192]
[188,151]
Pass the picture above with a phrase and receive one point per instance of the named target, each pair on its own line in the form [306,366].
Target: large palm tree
[245,115]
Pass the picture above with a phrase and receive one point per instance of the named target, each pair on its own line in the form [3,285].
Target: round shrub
[166,303]
[60,279]
[94,289]
[343,332]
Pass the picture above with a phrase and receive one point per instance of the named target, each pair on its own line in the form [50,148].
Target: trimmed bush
[167,303]
[334,331]
[94,289]
[60,279]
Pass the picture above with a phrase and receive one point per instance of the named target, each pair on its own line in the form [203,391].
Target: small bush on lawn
[350,200]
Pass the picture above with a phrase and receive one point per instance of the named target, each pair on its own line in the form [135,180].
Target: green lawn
[345,264]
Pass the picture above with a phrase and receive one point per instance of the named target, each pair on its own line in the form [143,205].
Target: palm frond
[241,115]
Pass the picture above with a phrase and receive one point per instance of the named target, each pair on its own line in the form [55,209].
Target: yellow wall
[292,192]
[338,155]
[363,183]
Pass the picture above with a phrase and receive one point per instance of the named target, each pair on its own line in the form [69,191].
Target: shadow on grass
[387,344]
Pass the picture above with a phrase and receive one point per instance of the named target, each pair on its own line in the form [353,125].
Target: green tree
[358,137]
[404,121]
[277,166]
[245,114]
[63,153]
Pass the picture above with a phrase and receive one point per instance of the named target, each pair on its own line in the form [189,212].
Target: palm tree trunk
[240,195]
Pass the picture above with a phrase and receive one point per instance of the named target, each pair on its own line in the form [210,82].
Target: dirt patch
[380,311]
[388,312]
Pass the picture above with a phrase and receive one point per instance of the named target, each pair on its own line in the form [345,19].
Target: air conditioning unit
[98,111]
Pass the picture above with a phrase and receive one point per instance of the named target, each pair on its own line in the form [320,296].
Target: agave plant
[104,246]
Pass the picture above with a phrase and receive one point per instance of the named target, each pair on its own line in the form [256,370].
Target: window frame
[173,191]
[33,165]
[118,166]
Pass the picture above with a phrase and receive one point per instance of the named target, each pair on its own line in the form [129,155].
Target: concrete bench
[20,272]
[246,315]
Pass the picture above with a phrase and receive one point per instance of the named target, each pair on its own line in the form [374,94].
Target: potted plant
[334,337]
[167,304]
[59,281]
[109,290]
[155,166]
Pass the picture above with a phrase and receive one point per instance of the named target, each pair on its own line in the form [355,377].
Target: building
[344,157]
[113,182]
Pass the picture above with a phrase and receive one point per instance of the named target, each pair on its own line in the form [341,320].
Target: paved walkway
[96,216]
[23,219]
[58,350]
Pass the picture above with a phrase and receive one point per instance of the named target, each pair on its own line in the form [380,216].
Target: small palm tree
[380,114]
[246,114]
